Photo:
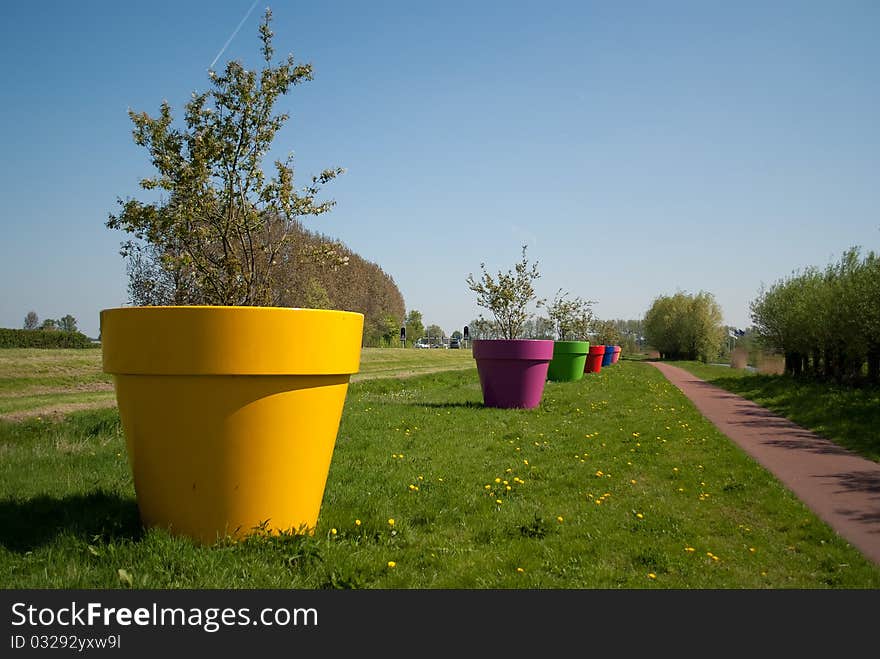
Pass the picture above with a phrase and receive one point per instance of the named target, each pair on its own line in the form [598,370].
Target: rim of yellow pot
[194,340]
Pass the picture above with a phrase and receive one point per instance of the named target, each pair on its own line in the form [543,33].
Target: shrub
[20,338]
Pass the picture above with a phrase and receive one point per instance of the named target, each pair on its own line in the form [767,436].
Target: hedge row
[19,338]
[825,322]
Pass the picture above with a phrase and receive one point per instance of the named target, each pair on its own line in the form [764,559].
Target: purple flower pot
[512,372]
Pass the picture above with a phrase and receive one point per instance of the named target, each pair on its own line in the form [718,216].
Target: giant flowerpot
[608,356]
[616,355]
[593,363]
[230,413]
[569,358]
[512,371]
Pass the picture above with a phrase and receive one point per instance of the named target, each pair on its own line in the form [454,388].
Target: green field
[615,481]
[40,383]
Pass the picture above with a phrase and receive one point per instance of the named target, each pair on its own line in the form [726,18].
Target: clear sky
[638,148]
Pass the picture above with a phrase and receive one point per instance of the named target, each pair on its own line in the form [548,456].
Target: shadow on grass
[30,524]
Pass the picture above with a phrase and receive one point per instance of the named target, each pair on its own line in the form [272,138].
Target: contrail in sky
[232,36]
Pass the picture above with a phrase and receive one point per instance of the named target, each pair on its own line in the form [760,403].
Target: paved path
[840,487]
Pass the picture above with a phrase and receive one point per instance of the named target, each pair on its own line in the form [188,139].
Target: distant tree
[435,333]
[414,327]
[315,296]
[605,333]
[456,335]
[481,328]
[49,324]
[631,334]
[539,327]
[31,320]
[685,326]
[507,295]
[67,324]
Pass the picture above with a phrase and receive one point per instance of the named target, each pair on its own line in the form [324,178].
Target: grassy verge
[848,416]
[51,383]
[615,481]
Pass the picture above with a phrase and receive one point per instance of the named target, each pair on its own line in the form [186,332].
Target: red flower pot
[594,359]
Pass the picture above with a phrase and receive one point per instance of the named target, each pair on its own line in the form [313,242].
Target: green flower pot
[569,358]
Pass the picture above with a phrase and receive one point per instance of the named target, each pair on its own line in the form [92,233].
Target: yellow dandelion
[633,481]
[640,516]
[559,519]
[497,480]
[520,570]
[332,531]
[357,522]
[498,501]
[651,575]
[752,549]
[689,549]
[392,564]
[508,488]
[525,462]
[390,521]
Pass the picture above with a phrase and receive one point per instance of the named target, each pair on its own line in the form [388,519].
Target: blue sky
[638,148]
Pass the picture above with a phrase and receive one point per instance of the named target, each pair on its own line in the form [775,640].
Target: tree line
[64,324]
[826,322]
[312,271]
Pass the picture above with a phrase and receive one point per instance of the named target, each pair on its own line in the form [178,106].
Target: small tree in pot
[512,370]
[222,229]
[571,318]
[507,295]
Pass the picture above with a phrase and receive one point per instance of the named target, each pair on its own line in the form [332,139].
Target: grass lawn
[848,416]
[615,481]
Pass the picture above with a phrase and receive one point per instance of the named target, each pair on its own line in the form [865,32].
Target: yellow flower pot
[230,413]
